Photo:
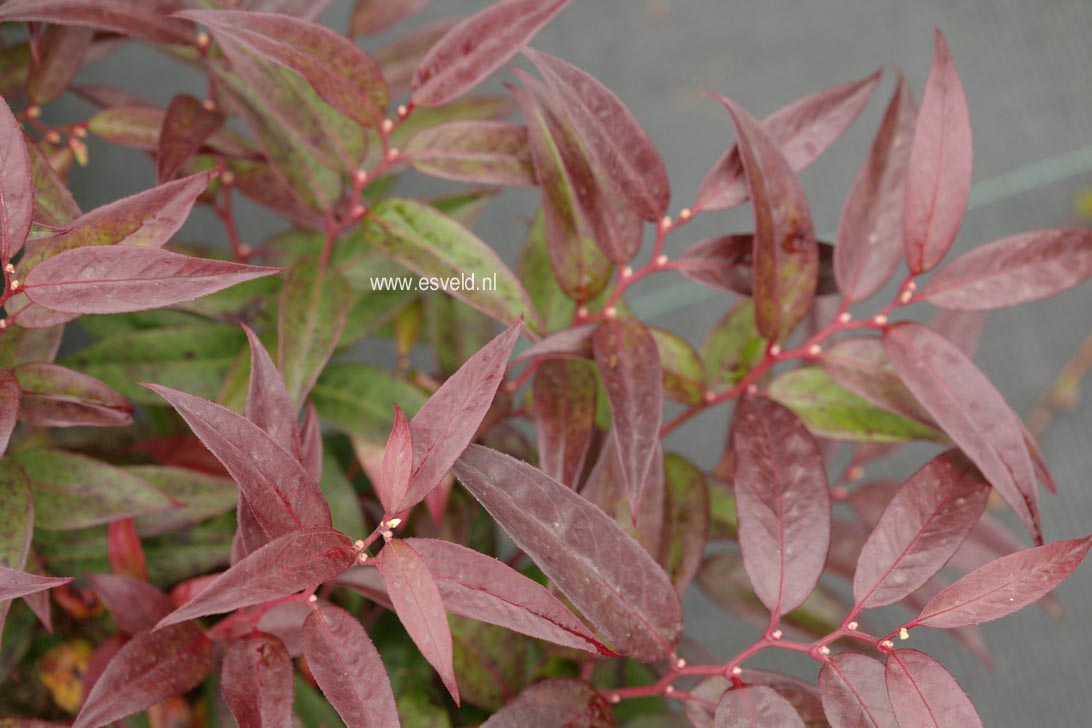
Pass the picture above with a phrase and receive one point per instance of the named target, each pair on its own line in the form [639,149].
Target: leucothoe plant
[275,532]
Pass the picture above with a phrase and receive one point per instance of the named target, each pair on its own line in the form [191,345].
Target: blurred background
[1027,69]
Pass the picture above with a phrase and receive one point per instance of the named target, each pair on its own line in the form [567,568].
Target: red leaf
[970,410]
[348,669]
[480,587]
[571,343]
[606,574]
[619,146]
[786,257]
[563,398]
[397,467]
[924,694]
[283,496]
[558,702]
[939,180]
[446,423]
[150,668]
[1004,586]
[135,18]
[479,151]
[186,126]
[783,503]
[755,707]
[922,526]
[629,367]
[477,46]
[340,72]
[257,682]
[16,188]
[9,406]
[124,551]
[55,396]
[419,606]
[267,402]
[53,203]
[726,262]
[376,16]
[61,52]
[854,692]
[122,278]
[135,605]
[15,583]
[870,228]
[282,567]
[804,129]
[1013,270]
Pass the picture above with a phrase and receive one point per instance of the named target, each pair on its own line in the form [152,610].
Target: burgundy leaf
[862,366]
[870,228]
[135,18]
[854,692]
[477,46]
[14,583]
[726,262]
[446,423]
[150,668]
[557,703]
[135,605]
[480,587]
[16,186]
[61,51]
[783,503]
[282,567]
[804,130]
[923,525]
[605,486]
[281,493]
[939,180]
[1004,586]
[620,146]
[970,410]
[340,72]
[786,257]
[53,203]
[755,707]
[482,152]
[924,694]
[9,406]
[1013,270]
[186,126]
[55,396]
[257,682]
[348,669]
[629,367]
[147,219]
[124,549]
[571,343]
[604,572]
[118,279]
[419,606]
[564,399]
[267,402]
[397,467]
[376,16]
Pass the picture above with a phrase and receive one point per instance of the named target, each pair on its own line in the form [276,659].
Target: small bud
[839,493]
[312,598]
[358,544]
[661,260]
[387,126]
[245,250]
[752,389]
[815,350]
[855,473]
[611,312]
[824,650]
[357,212]
[685,214]
[392,154]
[880,320]
[911,285]
[3,324]
[775,350]
[209,105]
[402,111]
[34,111]
[669,689]
[203,40]
[363,558]
[904,634]
[905,296]
[361,176]
[615,698]
[888,644]
[227,178]
[665,222]
[680,663]
[511,386]
[15,284]
[627,272]
[710,396]
[80,131]
[737,670]
[9,268]
[79,151]
[845,317]
[853,626]
[776,634]
[394,522]
[53,136]
[582,312]
[388,535]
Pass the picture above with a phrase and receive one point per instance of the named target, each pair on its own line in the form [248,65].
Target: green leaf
[73,491]
[723,521]
[538,278]
[19,345]
[831,411]
[733,347]
[360,399]
[491,662]
[200,496]
[431,244]
[16,516]
[686,520]
[193,359]
[314,307]
[683,371]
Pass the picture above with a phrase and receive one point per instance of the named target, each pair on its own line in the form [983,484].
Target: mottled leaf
[314,307]
[564,406]
[685,520]
[481,152]
[187,124]
[55,396]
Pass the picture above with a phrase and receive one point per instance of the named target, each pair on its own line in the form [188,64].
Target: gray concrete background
[1027,68]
